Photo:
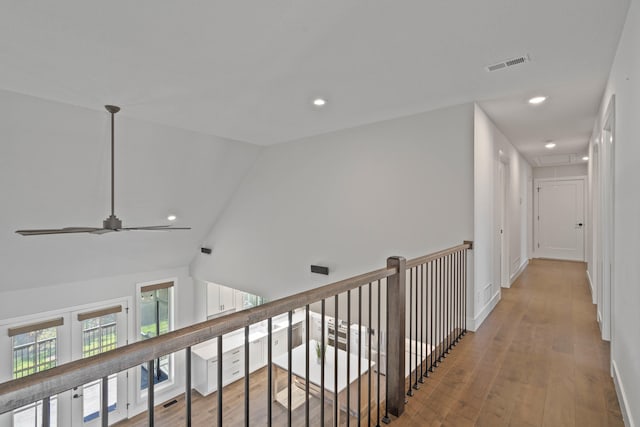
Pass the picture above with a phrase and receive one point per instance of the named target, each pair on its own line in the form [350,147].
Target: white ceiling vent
[508,63]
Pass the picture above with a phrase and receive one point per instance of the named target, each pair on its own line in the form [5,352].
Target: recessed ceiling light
[550,145]
[585,158]
[319,102]
[172,217]
[537,100]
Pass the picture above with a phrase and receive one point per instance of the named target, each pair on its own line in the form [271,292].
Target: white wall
[347,200]
[489,141]
[560,171]
[624,83]
[39,303]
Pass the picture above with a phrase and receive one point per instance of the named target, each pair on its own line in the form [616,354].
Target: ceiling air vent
[508,63]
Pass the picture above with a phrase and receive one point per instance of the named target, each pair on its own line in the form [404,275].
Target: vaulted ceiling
[210,74]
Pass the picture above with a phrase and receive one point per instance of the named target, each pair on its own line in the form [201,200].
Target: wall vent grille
[508,63]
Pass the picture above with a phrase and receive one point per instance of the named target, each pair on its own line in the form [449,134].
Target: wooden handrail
[29,389]
[434,256]
[19,392]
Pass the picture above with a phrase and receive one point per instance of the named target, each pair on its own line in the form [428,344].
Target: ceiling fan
[112,223]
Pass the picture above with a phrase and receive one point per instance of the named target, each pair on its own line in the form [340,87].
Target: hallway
[537,360]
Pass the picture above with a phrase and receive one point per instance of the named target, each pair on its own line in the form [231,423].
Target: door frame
[536,211]
[606,221]
[502,218]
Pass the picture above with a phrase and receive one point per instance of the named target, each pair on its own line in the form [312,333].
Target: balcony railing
[407,317]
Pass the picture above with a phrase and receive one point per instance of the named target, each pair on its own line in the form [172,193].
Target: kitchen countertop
[209,349]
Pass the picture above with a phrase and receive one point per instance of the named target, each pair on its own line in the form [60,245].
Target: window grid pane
[34,352]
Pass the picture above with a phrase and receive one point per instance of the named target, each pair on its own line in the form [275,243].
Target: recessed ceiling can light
[172,217]
[585,158]
[319,102]
[537,100]
[550,145]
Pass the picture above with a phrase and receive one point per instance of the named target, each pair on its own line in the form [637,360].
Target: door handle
[77,395]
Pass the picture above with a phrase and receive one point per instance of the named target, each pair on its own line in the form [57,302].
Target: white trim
[518,272]
[593,291]
[622,397]
[474,323]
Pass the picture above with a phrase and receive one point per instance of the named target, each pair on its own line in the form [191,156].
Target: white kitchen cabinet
[279,344]
[257,354]
[205,371]
[219,299]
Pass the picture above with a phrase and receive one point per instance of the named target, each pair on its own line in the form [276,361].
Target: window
[34,349]
[155,320]
[99,334]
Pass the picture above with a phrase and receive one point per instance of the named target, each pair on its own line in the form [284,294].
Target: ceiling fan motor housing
[112,223]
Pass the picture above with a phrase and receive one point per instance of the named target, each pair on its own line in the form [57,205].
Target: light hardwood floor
[537,360]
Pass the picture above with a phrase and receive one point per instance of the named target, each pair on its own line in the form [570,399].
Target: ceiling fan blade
[155,228]
[102,231]
[66,230]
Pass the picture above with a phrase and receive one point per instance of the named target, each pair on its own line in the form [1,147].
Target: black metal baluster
[441,311]
[270,384]
[187,391]
[348,416]
[431,304]
[415,366]
[306,368]
[449,299]
[369,373]
[46,412]
[410,390]
[219,381]
[455,299]
[386,419]
[150,391]
[465,292]
[246,376]
[289,366]
[423,324]
[335,362]
[378,361]
[359,353]
[447,293]
[322,362]
[104,410]
[459,267]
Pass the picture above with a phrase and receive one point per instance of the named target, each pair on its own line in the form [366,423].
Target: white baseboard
[518,272]
[474,323]
[593,292]
[622,397]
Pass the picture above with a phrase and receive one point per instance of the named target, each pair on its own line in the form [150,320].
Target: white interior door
[560,219]
[95,331]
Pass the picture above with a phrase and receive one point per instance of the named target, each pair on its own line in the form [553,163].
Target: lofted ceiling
[248,70]
[199,79]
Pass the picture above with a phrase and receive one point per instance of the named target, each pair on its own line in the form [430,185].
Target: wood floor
[536,361]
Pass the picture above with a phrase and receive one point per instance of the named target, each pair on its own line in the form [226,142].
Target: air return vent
[508,63]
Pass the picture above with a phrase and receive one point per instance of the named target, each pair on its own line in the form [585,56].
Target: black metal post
[150,393]
[187,388]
